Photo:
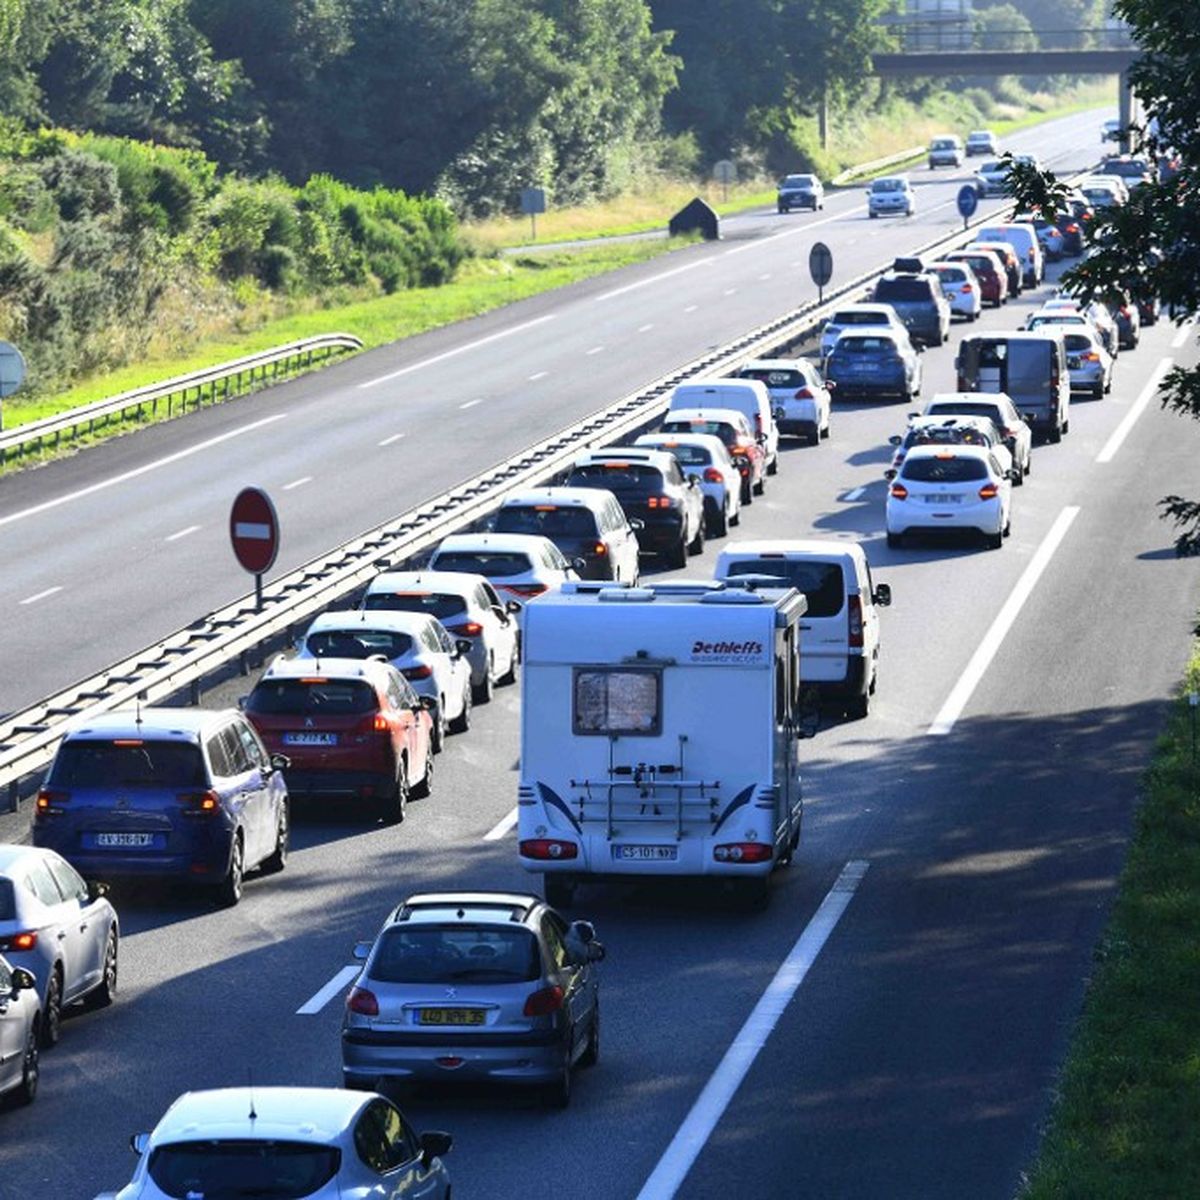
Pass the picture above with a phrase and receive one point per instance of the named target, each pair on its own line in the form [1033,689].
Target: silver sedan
[19,1020]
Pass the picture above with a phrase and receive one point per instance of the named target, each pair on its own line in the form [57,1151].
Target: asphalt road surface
[982,807]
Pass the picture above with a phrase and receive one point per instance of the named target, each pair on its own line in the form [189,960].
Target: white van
[839,633]
[748,396]
[658,734]
[1023,238]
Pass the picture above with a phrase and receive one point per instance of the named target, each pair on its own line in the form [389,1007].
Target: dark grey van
[1031,367]
[919,303]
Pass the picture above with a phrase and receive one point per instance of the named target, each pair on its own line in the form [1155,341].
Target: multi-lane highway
[987,798]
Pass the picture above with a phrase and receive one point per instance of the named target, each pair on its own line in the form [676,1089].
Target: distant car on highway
[285,1143]
[1104,191]
[1110,131]
[982,141]
[1023,238]
[800,191]
[889,196]
[945,152]
[991,179]
[1134,171]
[20,1021]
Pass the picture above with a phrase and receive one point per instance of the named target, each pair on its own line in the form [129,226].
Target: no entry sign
[254,530]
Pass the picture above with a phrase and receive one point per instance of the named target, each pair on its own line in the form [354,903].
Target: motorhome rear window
[618,700]
[127,763]
[821,582]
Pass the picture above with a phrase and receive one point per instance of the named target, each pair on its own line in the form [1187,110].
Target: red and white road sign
[254,530]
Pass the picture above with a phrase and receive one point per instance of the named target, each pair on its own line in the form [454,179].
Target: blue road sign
[968,201]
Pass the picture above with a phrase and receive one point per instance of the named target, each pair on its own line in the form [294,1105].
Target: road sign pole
[258,599]
[254,532]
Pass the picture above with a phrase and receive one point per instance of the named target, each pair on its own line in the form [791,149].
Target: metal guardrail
[223,381]
[181,661]
[878,164]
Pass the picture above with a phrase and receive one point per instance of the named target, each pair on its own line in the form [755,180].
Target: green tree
[1004,27]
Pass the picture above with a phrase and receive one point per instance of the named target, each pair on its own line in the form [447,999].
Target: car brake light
[548,848]
[805,393]
[424,671]
[898,492]
[743,852]
[660,502]
[17,942]
[989,491]
[542,1004]
[374,723]
[599,549]
[49,799]
[1090,356]
[1071,228]
[467,629]
[712,475]
[856,621]
[967,289]
[198,803]
[362,1002]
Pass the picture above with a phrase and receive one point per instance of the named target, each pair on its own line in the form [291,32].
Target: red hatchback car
[351,728]
[993,279]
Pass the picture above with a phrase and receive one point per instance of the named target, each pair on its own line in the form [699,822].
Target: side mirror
[434,1145]
[138,1143]
[513,606]
[429,703]
[241,703]
[637,523]
[882,595]
[362,950]
[890,474]
[585,931]
[96,889]
[463,646]
[22,980]
[778,413]
[280,762]
[580,565]
[895,440]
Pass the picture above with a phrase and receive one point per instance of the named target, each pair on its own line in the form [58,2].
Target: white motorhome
[658,733]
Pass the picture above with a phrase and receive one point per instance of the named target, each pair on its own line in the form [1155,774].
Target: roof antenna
[138,706]
[250,1080]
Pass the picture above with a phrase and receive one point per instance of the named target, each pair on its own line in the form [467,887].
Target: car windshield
[436,604]
[494,564]
[127,763]
[311,697]
[904,289]
[821,583]
[230,1170]
[888,185]
[617,477]
[455,953]
[943,470]
[549,520]
[358,643]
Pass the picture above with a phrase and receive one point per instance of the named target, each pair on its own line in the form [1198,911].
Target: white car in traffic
[800,397]
[960,286]
[703,457]
[521,566]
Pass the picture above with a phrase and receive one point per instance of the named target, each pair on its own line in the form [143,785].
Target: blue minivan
[179,793]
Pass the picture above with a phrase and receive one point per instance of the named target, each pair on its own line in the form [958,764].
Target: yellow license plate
[450,1016]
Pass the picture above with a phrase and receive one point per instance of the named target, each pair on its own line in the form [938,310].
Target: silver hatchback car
[474,986]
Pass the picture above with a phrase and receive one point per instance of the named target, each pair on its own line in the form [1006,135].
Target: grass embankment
[1127,1122]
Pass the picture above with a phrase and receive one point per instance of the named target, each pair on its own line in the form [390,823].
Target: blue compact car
[181,793]
[874,363]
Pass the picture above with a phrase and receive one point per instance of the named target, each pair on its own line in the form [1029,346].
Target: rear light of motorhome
[200,804]
[989,491]
[548,849]
[363,1002]
[16,943]
[424,671]
[856,621]
[744,852]
[50,801]
[712,475]
[898,491]
[543,1003]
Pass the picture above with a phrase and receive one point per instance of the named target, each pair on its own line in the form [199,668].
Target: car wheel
[1028,468]
[994,540]
[462,722]
[1108,385]
[872,215]
[1018,476]
[278,859]
[392,808]
[1055,434]
[437,735]
[761,485]
[773,466]
[483,692]
[105,991]
[895,540]
[52,1010]
[30,1067]
[678,554]
[858,707]
[736,518]
[1098,391]
[558,1093]
[747,491]
[229,890]
[591,1053]
[824,431]
[560,892]
[419,791]
[696,545]
[719,525]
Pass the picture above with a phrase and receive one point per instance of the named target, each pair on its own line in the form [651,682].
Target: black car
[664,506]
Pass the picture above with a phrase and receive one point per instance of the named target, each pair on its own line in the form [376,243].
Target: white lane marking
[253,531]
[287,487]
[41,595]
[1138,407]
[645,328]
[143,470]
[437,358]
[672,1169]
[470,403]
[1182,335]
[327,993]
[502,828]
[730,291]
[854,495]
[629,287]
[691,308]
[986,650]
[595,350]
[174,537]
[538,375]
[764,278]
[387,441]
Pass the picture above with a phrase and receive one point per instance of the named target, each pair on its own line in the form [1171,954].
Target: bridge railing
[955,36]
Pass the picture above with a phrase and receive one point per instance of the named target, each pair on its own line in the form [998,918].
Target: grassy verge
[1127,1121]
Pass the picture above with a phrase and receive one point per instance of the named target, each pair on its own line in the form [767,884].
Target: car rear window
[903,289]
[436,604]
[312,697]
[943,470]
[887,185]
[127,763]
[688,456]
[775,377]
[799,181]
[980,265]
[458,953]
[358,643]
[950,274]
[858,318]
[966,408]
[1078,341]
[720,429]
[224,1170]
[494,564]
[8,901]
[617,476]
[858,344]
[822,583]
[548,520]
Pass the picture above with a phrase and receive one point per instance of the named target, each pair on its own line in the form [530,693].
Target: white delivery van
[658,734]
[839,632]
[748,396]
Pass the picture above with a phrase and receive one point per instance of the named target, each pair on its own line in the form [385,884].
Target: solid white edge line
[502,827]
[538,375]
[667,1177]
[287,487]
[1139,406]
[470,403]
[986,650]
[40,595]
[437,358]
[387,441]
[143,470]
[1181,335]
[336,984]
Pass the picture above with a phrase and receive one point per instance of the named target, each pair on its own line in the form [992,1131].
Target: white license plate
[943,499]
[310,739]
[124,839]
[646,853]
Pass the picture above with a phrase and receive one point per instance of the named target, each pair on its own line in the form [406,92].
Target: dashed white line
[764,278]
[387,441]
[470,403]
[327,993]
[91,489]
[1182,335]
[41,595]
[986,650]
[287,487]
[1139,406]
[538,375]
[629,287]
[437,358]
[595,350]
[502,827]
[729,291]
[691,308]
[645,328]
[182,533]
[855,494]
[689,1140]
